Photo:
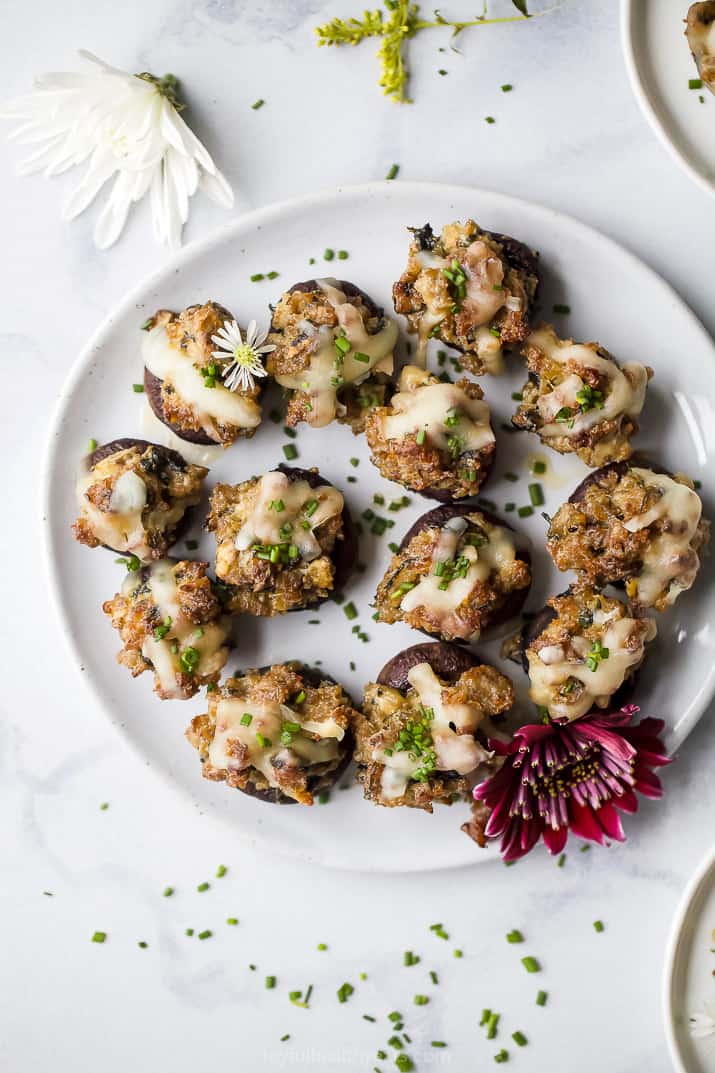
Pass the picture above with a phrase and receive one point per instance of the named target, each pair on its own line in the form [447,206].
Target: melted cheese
[670,564]
[208,640]
[265,521]
[125,524]
[489,559]
[485,296]
[423,405]
[454,751]
[549,669]
[623,397]
[319,379]
[211,405]
[267,752]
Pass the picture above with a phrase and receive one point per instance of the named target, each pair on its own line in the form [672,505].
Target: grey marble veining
[570,136]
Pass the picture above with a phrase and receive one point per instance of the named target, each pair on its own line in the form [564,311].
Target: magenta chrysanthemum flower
[562,777]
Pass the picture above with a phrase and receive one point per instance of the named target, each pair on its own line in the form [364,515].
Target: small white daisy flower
[247,354]
[127,128]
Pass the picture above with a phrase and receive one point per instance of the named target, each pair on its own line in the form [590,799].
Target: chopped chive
[272,275]
[507,87]
[420,437]
[438,1043]
[258,104]
[92,445]
[246,719]
[344,992]
[394,1016]
[536,495]
[561,861]
[368,1017]
[289,432]
[343,255]
[205,934]
[517,396]
[328,254]
[232,921]
[541,997]
[433,977]
[509,507]
[257,277]
[104,806]
[492,1023]
[695,83]
[457,953]
[525,512]
[486,1014]
[203,886]
[290,451]
[354,462]
[441,71]
[138,388]
[275,417]
[189,931]
[538,467]
[392,173]
[270,983]
[350,611]
[558,308]
[501,1056]
[519,1039]
[421,1000]
[147,324]
[99,936]
[284,1038]
[598,925]
[439,931]
[510,477]
[142,944]
[408,958]
[531,964]
[323,798]
[192,545]
[514,936]
[489,119]
[168,891]
[221,871]
[404,1063]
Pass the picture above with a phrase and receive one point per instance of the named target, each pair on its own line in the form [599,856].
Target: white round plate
[660,66]
[614,298]
[689,977]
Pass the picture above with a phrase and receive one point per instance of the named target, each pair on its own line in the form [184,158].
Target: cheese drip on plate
[268,740]
[207,640]
[623,394]
[444,412]
[443,598]
[670,564]
[330,368]
[288,511]
[211,405]
[126,522]
[452,749]
[551,667]
[485,296]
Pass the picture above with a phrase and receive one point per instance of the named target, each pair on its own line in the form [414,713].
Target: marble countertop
[570,136]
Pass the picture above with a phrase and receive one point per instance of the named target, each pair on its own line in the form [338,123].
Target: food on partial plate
[471,289]
[333,352]
[202,374]
[434,437]
[170,619]
[633,525]
[285,541]
[424,725]
[700,32]
[134,498]
[281,733]
[582,652]
[579,399]
[457,572]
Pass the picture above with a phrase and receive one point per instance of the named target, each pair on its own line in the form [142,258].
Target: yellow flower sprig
[400,23]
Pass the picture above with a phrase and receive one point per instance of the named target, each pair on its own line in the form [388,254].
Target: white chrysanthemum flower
[247,354]
[702,1023]
[129,129]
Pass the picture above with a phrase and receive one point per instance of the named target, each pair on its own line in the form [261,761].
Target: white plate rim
[700,876]
[627,15]
[258,217]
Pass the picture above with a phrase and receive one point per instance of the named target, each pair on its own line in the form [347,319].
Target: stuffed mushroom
[628,524]
[700,32]
[579,399]
[457,571]
[200,374]
[471,289]
[333,352]
[134,498]
[434,437]
[582,652]
[170,620]
[285,541]
[282,733]
[422,732]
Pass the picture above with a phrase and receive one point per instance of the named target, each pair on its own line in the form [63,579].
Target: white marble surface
[570,136]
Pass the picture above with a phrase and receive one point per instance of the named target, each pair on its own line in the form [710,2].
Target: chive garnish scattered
[99,936]
[541,997]
[695,83]
[489,119]
[168,891]
[421,1000]
[343,255]
[531,964]
[492,1022]
[328,254]
[561,861]
[368,1017]
[438,1043]
[221,871]
[433,977]
[290,451]
[147,324]
[507,87]
[457,953]
[142,945]
[344,992]
[392,173]
[514,936]
[439,931]
[257,277]
[104,806]
[350,611]
[138,388]
[92,445]
[538,467]
[404,1063]
[501,1056]
[598,925]
[408,958]
[525,512]
[564,309]
[519,1039]
[202,887]
[232,921]
[270,983]
[536,495]
[258,104]
[205,934]
[189,931]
